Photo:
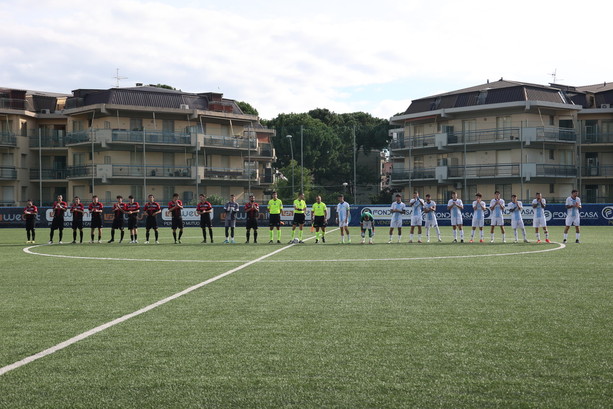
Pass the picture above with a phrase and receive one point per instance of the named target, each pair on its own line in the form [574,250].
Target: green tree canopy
[247,108]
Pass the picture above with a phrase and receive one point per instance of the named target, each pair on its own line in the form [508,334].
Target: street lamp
[291,147]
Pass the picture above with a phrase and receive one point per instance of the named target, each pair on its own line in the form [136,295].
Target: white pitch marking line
[126,317]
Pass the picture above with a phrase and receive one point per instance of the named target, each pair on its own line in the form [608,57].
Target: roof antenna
[118,78]
[554,75]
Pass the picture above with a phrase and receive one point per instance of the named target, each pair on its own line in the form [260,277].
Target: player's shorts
[539,222]
[517,224]
[252,223]
[416,221]
[205,220]
[96,221]
[478,222]
[573,221]
[57,223]
[229,222]
[319,221]
[132,222]
[431,222]
[118,222]
[30,223]
[177,223]
[367,225]
[457,220]
[396,223]
[497,221]
[343,223]
[151,222]
[298,219]
[274,220]
[77,224]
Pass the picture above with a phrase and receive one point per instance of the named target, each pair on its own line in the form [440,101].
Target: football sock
[279,234]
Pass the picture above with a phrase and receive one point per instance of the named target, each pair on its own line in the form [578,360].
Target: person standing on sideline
[573,216]
[119,208]
[417,217]
[29,213]
[343,214]
[96,210]
[397,209]
[204,209]
[538,217]
[151,210]
[231,208]
[455,207]
[78,210]
[367,222]
[253,211]
[478,217]
[299,218]
[496,215]
[59,207]
[515,207]
[319,217]
[431,221]
[275,205]
[175,206]
[132,208]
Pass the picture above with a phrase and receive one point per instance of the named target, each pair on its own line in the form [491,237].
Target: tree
[283,185]
[247,108]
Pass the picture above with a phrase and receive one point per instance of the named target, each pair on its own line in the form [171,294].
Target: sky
[294,56]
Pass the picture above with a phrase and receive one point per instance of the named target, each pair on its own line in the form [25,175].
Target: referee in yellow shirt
[299,209]
[274,216]
[318,216]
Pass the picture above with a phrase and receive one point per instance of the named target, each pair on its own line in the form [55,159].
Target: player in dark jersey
[132,208]
[119,208]
[29,213]
[253,210]
[174,207]
[151,210]
[59,207]
[77,209]
[95,209]
[204,209]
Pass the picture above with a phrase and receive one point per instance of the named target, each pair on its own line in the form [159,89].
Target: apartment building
[136,140]
[515,137]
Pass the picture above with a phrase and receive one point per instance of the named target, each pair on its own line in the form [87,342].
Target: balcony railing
[422,141]
[556,171]
[414,174]
[551,134]
[484,135]
[152,137]
[598,171]
[228,173]
[8,173]
[152,171]
[484,171]
[13,103]
[7,139]
[229,142]
[48,174]
[81,171]
[48,139]
[597,137]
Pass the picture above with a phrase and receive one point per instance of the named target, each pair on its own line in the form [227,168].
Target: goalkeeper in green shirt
[367,222]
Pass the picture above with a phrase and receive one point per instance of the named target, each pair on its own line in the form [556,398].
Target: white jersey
[396,219]
[539,209]
[572,212]
[342,210]
[478,210]
[431,214]
[515,210]
[497,209]
[456,210]
[417,205]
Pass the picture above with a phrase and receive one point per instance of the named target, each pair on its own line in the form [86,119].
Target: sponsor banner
[555,214]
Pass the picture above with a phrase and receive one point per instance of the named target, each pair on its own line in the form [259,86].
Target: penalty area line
[126,317]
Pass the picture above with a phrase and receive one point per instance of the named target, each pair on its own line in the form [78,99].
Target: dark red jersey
[132,207]
[30,212]
[203,207]
[252,210]
[95,207]
[77,211]
[59,208]
[118,209]
[176,208]
[151,208]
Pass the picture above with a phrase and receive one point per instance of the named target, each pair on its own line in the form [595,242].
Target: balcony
[484,136]
[597,171]
[556,171]
[48,139]
[7,139]
[484,171]
[8,173]
[151,171]
[48,174]
[82,171]
[213,173]
[13,103]
[414,174]
[597,137]
[107,136]
[413,142]
[228,142]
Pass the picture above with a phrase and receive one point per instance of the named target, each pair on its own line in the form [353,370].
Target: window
[24,160]
[551,188]
[506,190]
[418,161]
[188,196]
[136,124]
[552,155]
[107,124]
[137,192]
[107,196]
[107,160]
[168,126]
[7,159]
[8,195]
[78,159]
[77,126]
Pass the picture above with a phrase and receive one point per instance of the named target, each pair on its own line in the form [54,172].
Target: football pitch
[432,325]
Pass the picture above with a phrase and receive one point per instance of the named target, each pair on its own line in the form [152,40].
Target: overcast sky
[293,56]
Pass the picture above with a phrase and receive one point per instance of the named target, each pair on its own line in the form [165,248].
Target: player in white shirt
[496,214]
[397,209]
[343,211]
[538,217]
[478,217]
[455,207]
[430,215]
[417,217]
[573,205]
[515,207]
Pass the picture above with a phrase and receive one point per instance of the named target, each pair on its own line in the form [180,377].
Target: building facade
[514,137]
[130,141]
